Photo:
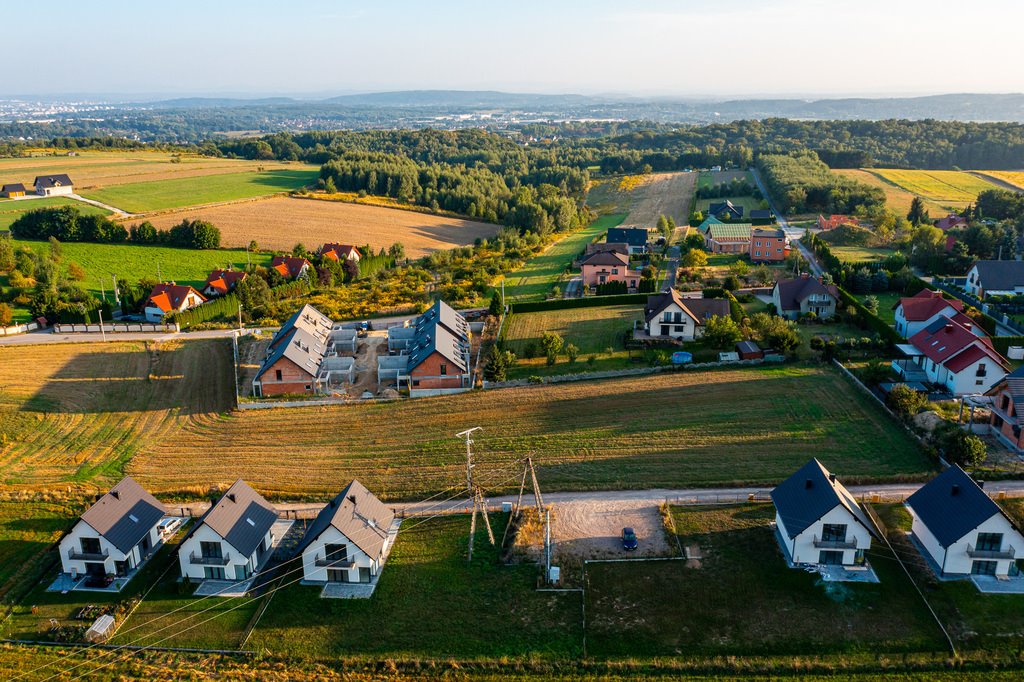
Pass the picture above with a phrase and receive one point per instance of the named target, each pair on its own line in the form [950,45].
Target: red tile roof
[968,357]
[943,340]
[339,251]
[224,281]
[950,221]
[289,266]
[925,303]
[169,297]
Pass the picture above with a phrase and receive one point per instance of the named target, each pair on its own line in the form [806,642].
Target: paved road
[793,233]
[671,268]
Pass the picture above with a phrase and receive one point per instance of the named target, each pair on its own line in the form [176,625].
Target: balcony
[834,544]
[79,555]
[209,560]
[1007,553]
[342,562]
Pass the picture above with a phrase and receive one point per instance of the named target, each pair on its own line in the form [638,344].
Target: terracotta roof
[944,339]
[224,280]
[289,266]
[925,303]
[169,297]
[339,251]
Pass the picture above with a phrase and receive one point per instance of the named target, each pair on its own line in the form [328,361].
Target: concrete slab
[991,585]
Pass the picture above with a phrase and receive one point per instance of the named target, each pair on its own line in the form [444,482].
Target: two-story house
[795,297]
[670,315]
[961,530]
[995,278]
[953,356]
[914,313]
[290,267]
[768,245]
[609,266]
[818,521]
[296,355]
[635,237]
[222,282]
[166,299]
[115,535]
[53,185]
[1007,420]
[727,237]
[340,252]
[231,540]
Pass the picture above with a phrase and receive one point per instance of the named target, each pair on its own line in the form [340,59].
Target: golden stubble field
[281,222]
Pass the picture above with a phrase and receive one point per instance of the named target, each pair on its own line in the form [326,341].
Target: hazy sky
[685,47]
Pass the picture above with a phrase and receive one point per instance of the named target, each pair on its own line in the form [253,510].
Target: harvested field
[644,197]
[280,222]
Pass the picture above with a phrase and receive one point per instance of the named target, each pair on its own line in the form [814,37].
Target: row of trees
[69,224]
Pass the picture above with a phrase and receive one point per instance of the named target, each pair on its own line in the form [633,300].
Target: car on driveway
[629,541]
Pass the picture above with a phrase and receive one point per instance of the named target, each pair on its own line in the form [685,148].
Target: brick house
[171,298]
[340,252]
[435,353]
[609,266]
[1008,409]
[833,221]
[291,267]
[295,356]
[222,282]
[670,315]
[796,297]
[727,237]
[767,245]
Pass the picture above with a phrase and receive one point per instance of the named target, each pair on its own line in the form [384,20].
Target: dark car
[629,542]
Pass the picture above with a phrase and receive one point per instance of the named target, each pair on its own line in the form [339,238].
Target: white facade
[973,286]
[960,557]
[809,547]
[155,314]
[907,328]
[55,191]
[78,558]
[355,568]
[231,565]
[675,322]
[977,377]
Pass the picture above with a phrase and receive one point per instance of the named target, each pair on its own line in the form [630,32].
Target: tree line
[802,183]
[69,224]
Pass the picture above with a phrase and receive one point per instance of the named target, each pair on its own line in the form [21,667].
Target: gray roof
[634,236]
[951,505]
[302,348]
[793,291]
[13,187]
[241,516]
[1000,275]
[720,207]
[761,214]
[700,309]
[436,338]
[748,347]
[125,514]
[307,318]
[443,314]
[358,515]
[47,181]
[809,494]
[1013,384]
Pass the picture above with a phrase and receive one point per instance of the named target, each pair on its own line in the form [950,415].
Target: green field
[27,531]
[743,599]
[132,263]
[592,330]
[542,272]
[12,210]
[857,254]
[488,610]
[887,300]
[141,197]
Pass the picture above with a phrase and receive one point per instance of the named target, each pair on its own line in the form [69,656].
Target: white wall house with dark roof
[115,535]
[961,529]
[53,185]
[995,278]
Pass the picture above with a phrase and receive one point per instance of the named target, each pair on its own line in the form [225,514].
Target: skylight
[250,522]
[134,518]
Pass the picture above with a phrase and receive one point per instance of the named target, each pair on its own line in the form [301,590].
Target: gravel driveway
[592,529]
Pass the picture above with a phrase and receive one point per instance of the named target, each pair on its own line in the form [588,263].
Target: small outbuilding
[749,350]
[12,190]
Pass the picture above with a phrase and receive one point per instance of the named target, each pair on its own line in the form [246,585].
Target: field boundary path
[119,213]
[997,181]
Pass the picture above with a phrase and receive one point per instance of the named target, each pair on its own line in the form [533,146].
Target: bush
[963,448]
[905,401]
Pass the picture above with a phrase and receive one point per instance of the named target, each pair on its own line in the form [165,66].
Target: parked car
[169,526]
[629,541]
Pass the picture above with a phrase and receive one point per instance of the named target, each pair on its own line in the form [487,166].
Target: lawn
[27,531]
[592,330]
[886,301]
[856,254]
[141,197]
[12,210]
[538,275]
[744,600]
[134,262]
[430,603]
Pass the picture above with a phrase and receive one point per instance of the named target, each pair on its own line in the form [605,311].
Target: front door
[336,575]
[95,570]
[983,568]
[664,330]
[121,568]
[830,558]
[213,572]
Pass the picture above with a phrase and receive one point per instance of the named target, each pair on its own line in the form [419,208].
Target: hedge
[735,309]
[871,321]
[588,302]
[1002,343]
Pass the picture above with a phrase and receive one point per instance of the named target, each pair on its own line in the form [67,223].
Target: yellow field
[956,187]
[896,198]
[91,170]
[280,222]
[1015,178]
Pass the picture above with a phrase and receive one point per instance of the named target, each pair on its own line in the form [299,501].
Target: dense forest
[802,184]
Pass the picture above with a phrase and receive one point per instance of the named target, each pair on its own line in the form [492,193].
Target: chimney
[808,484]
[955,491]
[832,479]
[949,328]
[231,496]
[352,499]
[981,484]
[115,494]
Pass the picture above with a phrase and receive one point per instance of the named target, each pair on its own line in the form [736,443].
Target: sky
[686,48]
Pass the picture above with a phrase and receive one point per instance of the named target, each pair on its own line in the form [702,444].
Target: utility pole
[503,293]
[117,298]
[469,456]
[103,334]
[475,492]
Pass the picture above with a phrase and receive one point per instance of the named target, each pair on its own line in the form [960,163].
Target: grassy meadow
[592,330]
[12,210]
[159,195]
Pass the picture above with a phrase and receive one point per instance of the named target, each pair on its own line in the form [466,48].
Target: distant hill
[457,98]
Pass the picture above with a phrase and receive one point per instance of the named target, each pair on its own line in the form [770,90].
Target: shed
[749,350]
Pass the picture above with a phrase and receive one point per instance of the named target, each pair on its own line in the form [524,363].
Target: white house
[952,355]
[349,539]
[231,539]
[995,278]
[115,535]
[819,521]
[171,298]
[961,530]
[914,313]
[53,185]
[670,315]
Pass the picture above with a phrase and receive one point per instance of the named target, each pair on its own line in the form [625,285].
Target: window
[277,374]
[833,532]
[213,572]
[1005,403]
[981,370]
[666,317]
[91,546]
[210,550]
[415,382]
[830,558]
[680,328]
[984,567]
[989,542]
[336,552]
[444,369]
[677,317]
[615,271]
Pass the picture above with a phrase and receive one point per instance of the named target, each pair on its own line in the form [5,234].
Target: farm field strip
[1014,178]
[941,186]
[280,222]
[644,197]
[897,198]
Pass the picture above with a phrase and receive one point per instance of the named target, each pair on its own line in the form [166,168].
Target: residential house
[435,355]
[818,521]
[726,210]
[53,185]
[609,266]
[222,282]
[296,354]
[768,245]
[961,530]
[708,222]
[914,313]
[950,354]
[833,221]
[995,278]
[950,222]
[1007,407]
[167,298]
[614,247]
[12,190]
[636,237]
[291,267]
[803,295]
[340,252]
[230,541]
[670,315]
[349,540]
[115,535]
[728,238]
[762,216]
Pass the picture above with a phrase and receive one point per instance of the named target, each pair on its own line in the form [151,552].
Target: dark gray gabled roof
[46,181]
[125,514]
[634,236]
[762,214]
[358,515]
[13,187]
[1000,275]
[437,338]
[951,505]
[443,314]
[809,494]
[241,516]
[720,207]
[792,292]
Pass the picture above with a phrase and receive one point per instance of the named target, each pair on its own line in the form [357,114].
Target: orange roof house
[171,298]
[340,252]
[221,282]
[290,267]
